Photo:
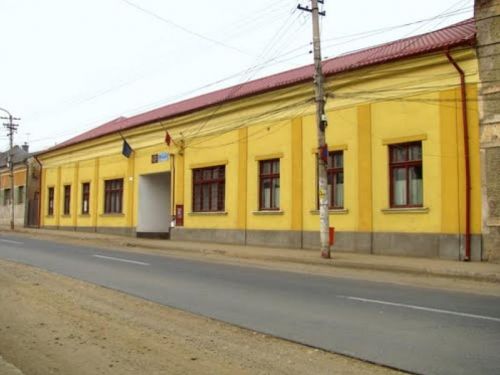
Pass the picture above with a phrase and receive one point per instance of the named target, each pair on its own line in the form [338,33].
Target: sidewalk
[478,271]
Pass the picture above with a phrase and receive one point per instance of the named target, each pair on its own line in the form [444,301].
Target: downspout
[465,124]
[39,192]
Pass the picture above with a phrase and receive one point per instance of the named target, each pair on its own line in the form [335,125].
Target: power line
[180,27]
[275,60]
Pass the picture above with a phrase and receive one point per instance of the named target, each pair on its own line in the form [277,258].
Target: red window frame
[209,189]
[269,177]
[50,208]
[333,172]
[85,198]
[113,196]
[405,164]
[67,199]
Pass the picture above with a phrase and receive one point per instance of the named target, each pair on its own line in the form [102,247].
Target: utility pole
[12,128]
[321,125]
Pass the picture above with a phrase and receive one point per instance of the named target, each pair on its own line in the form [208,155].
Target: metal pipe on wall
[465,123]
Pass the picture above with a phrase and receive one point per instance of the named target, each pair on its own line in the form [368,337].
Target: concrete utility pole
[11,127]
[321,124]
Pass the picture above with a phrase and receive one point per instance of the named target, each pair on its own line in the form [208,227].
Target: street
[414,329]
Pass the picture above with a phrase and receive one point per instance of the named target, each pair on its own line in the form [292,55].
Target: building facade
[239,165]
[487,16]
[23,185]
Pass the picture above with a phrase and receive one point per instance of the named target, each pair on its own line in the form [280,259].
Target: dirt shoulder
[51,324]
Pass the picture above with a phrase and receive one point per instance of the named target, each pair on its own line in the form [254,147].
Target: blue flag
[126,150]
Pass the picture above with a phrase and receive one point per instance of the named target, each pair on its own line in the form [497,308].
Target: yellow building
[241,164]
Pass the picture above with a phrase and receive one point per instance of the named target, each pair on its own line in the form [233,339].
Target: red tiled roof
[461,33]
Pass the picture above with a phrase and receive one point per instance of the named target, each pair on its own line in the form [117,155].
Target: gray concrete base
[492,244]
[274,238]
[428,245]
[86,229]
[120,231]
[228,236]
[358,242]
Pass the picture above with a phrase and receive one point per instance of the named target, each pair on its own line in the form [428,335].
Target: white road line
[12,242]
[122,260]
[430,309]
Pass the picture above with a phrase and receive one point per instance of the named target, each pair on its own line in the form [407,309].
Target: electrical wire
[180,27]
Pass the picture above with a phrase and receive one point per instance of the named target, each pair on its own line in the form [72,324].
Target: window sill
[406,210]
[84,215]
[335,211]
[268,212]
[208,213]
[112,215]
[66,216]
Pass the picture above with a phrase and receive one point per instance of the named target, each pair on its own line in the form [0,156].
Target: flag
[126,149]
[168,139]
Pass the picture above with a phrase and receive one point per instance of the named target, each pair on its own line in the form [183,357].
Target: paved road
[418,330]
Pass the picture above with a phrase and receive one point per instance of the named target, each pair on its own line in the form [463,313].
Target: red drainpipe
[466,154]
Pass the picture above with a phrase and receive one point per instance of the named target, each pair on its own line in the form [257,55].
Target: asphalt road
[414,329]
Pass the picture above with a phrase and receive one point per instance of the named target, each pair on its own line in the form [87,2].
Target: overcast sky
[67,66]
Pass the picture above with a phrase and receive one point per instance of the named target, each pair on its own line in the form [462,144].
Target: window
[335,178]
[406,185]
[269,183]
[50,194]
[85,198]
[20,195]
[67,199]
[113,196]
[335,174]
[209,185]
[6,197]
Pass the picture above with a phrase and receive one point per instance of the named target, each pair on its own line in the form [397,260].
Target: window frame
[210,182]
[85,197]
[7,197]
[112,205]
[50,200]
[67,200]
[335,171]
[20,194]
[406,165]
[271,176]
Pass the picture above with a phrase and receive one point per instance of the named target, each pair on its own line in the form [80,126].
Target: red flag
[323,152]
[167,139]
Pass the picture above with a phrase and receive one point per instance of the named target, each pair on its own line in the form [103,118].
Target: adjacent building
[25,175]
[487,16]
[239,165]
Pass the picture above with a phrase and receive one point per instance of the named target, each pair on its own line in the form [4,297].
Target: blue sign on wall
[163,156]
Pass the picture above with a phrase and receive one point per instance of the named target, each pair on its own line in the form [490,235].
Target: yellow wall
[414,99]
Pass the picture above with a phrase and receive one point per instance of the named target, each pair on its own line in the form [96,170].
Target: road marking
[122,260]
[13,242]
[415,307]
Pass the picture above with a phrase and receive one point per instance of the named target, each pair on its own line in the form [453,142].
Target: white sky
[67,66]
